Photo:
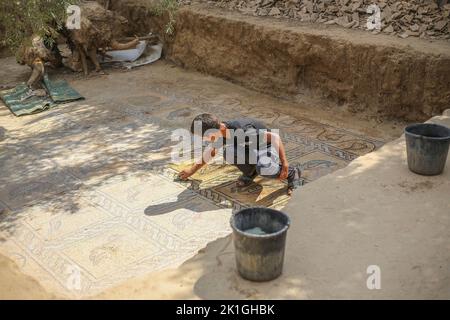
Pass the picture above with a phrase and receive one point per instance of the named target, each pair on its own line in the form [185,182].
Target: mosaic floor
[88,192]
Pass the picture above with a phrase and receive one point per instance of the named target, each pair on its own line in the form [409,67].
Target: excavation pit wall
[376,75]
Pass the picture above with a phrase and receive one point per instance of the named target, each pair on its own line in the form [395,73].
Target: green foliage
[168,7]
[19,19]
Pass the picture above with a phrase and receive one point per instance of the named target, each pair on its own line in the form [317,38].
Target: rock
[412,33]
[309,5]
[274,11]
[407,18]
[386,14]
[423,28]
[404,35]
[330,22]
[440,25]
[305,17]
[263,12]
[414,28]
[388,29]
[356,5]
[267,3]
[342,21]
[355,18]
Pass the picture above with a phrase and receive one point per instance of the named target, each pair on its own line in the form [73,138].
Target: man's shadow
[188,199]
[183,200]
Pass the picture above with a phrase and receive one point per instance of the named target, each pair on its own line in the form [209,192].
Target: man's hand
[284,171]
[207,154]
[186,173]
[276,142]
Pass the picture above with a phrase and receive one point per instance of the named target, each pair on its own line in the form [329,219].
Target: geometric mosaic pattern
[89,189]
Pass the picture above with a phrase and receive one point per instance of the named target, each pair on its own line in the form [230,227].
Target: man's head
[206,122]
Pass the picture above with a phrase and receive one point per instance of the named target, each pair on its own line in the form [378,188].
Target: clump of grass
[168,7]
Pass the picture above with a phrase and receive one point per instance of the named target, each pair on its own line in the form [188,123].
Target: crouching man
[249,145]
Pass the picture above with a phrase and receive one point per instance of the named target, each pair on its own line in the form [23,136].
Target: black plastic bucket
[427,147]
[260,255]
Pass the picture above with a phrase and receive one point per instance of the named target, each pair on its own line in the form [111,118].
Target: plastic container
[128,55]
[259,236]
[427,148]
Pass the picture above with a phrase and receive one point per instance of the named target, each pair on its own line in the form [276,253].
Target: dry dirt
[16,285]
[372,76]
[417,18]
[346,221]
[104,92]
[378,76]
[352,83]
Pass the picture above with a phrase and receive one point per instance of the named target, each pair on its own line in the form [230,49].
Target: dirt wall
[363,72]
[140,14]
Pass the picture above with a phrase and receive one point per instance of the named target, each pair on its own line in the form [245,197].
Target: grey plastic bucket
[427,148]
[260,257]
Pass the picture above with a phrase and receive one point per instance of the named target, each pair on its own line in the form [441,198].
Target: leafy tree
[19,19]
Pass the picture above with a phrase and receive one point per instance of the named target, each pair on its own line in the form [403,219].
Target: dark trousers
[253,170]
[250,171]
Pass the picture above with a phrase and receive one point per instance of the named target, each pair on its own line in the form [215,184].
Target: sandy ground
[374,212]
[374,208]
[15,285]
[89,184]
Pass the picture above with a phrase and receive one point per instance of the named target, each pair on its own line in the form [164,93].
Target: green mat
[21,103]
[60,91]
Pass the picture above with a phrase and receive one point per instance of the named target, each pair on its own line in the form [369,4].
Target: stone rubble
[417,18]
